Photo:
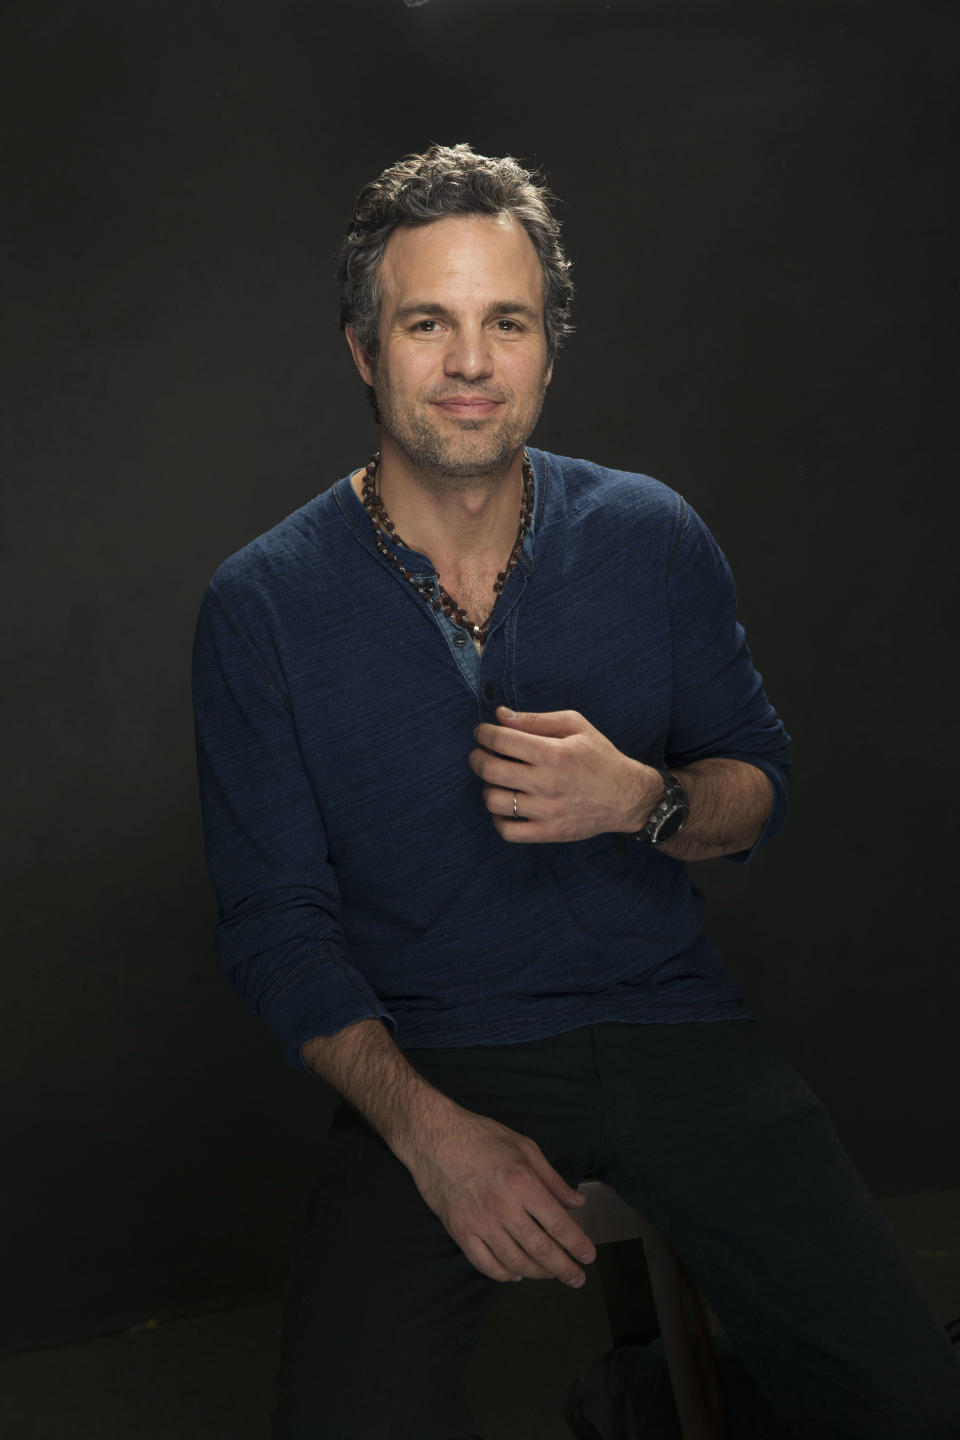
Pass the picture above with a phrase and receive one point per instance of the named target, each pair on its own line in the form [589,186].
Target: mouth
[469,409]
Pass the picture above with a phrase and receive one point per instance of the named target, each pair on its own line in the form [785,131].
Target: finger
[543,1227]
[555,1221]
[513,805]
[482,1258]
[554,723]
[553,1180]
[561,1227]
[514,744]
[516,1257]
[542,1251]
[498,770]
[509,775]
[525,832]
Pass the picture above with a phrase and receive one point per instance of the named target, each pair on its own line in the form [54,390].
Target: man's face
[462,369]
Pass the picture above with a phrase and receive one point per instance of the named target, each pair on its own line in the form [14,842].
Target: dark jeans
[721,1145]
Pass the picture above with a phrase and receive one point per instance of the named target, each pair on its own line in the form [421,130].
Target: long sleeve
[719,704]
[278,934]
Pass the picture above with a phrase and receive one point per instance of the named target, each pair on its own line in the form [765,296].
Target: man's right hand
[500,1199]
[493,1190]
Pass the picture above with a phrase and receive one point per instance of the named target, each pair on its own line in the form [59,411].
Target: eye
[420,324]
[511,323]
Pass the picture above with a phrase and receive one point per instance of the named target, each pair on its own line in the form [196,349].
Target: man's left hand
[569,781]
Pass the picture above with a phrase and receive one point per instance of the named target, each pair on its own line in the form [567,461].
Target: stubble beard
[445,461]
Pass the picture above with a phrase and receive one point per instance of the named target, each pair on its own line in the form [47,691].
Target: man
[461,719]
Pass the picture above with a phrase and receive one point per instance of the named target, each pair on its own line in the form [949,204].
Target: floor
[209,1378]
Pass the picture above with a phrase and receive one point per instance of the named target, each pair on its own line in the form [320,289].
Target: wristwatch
[669,816]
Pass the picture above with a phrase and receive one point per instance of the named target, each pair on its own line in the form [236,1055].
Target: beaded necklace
[383,527]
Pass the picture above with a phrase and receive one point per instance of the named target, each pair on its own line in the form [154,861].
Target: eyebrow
[499,307]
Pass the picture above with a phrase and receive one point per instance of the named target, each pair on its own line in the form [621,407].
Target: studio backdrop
[759,201]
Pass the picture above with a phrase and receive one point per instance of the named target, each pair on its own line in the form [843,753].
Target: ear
[360,357]
[549,375]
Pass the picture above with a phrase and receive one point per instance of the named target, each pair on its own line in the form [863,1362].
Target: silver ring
[515,811]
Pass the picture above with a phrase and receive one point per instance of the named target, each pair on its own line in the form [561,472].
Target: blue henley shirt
[357,869]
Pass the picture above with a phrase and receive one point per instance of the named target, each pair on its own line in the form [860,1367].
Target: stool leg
[687,1344]
[627,1297]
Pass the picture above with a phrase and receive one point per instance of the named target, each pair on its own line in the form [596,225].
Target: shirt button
[489,690]
[459,639]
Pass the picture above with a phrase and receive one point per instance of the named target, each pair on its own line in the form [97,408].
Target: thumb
[555,723]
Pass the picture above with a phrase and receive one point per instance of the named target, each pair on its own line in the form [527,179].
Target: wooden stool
[677,1303]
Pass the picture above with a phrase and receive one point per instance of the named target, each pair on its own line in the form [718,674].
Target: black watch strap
[669,815]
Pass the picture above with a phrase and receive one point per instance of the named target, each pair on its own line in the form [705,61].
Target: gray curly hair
[447,180]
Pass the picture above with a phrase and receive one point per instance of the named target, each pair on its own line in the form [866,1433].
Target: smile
[471,409]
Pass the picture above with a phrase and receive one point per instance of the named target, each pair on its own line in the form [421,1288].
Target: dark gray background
[760,203]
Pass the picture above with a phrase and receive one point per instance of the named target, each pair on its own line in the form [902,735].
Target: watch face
[670,824]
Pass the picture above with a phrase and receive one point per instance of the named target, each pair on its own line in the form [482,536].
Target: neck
[452,520]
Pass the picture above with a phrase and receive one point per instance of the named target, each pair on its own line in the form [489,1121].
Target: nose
[469,353]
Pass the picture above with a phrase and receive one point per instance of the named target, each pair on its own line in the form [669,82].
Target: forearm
[365,1065]
[729,804]
[493,1190]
